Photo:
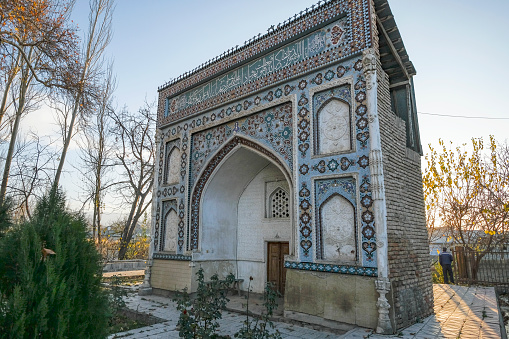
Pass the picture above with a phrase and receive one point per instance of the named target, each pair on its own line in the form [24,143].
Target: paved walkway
[460,312]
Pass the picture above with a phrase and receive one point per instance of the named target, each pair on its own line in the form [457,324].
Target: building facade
[295,159]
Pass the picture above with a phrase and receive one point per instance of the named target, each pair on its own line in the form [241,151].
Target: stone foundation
[172,275]
[335,297]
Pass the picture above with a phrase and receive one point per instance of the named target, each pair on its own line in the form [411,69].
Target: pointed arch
[171,236]
[337,229]
[213,164]
[278,203]
[169,226]
[172,168]
[333,127]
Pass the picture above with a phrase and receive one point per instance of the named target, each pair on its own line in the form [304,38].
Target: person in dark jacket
[445,259]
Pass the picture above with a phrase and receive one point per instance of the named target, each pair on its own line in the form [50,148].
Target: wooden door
[276,272]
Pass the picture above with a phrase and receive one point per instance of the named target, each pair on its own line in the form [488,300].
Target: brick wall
[253,226]
[409,266]
[254,229]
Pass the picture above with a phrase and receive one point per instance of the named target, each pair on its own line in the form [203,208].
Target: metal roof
[393,54]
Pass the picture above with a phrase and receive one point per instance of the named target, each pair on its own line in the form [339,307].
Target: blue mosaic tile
[331,268]
[166,256]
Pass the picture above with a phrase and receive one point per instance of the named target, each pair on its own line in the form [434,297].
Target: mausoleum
[295,159]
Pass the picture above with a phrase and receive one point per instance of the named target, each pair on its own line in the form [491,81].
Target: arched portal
[235,227]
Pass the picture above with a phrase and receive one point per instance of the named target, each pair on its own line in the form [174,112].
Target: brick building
[295,159]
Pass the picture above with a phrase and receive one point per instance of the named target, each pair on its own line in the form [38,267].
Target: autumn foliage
[466,191]
[44,26]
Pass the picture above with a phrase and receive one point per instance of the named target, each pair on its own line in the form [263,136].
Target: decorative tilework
[181,226]
[272,127]
[305,221]
[346,37]
[330,268]
[211,166]
[157,224]
[295,52]
[320,100]
[324,189]
[169,147]
[226,122]
[167,256]
[168,205]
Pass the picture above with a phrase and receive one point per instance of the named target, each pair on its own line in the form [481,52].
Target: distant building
[295,159]
[438,240]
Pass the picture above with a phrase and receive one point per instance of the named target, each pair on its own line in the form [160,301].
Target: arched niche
[333,129]
[233,231]
[172,167]
[337,221]
[170,237]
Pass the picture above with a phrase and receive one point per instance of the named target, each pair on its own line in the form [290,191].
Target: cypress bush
[51,296]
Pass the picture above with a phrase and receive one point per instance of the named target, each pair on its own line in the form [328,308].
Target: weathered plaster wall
[219,211]
[408,247]
[345,298]
[171,275]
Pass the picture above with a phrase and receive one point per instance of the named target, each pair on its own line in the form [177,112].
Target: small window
[279,204]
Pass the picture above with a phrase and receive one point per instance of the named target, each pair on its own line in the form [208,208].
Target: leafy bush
[259,328]
[437,275]
[137,248]
[51,296]
[198,316]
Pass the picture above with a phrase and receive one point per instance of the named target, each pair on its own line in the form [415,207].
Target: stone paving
[460,312]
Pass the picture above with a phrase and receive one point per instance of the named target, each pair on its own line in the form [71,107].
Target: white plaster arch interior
[234,227]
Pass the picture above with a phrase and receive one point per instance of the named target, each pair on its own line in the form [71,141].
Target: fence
[492,269]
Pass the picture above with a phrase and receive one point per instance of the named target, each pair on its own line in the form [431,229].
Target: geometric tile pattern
[167,256]
[331,268]
[348,35]
[272,127]
[207,173]
[324,189]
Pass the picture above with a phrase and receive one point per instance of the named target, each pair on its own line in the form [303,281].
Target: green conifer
[45,295]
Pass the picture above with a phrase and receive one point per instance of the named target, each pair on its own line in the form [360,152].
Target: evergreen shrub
[51,296]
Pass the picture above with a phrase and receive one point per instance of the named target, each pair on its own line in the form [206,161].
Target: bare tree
[9,73]
[37,47]
[32,172]
[81,99]
[23,92]
[134,135]
[97,154]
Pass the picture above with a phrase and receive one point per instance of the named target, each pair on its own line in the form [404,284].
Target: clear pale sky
[459,48]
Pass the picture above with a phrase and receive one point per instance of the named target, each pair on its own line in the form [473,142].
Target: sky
[460,50]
